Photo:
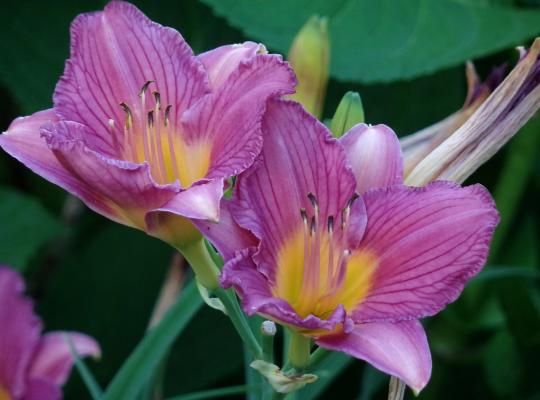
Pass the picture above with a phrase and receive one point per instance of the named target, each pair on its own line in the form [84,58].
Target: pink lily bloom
[144,131]
[345,253]
[32,366]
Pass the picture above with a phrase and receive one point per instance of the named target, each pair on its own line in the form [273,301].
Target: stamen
[303,215]
[157,136]
[131,152]
[110,122]
[312,226]
[171,141]
[330,272]
[146,132]
[144,88]
[129,116]
[157,99]
[345,213]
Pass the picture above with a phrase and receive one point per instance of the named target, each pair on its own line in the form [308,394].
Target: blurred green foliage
[89,274]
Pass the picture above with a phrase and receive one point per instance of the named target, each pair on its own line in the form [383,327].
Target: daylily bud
[348,113]
[309,56]
[504,112]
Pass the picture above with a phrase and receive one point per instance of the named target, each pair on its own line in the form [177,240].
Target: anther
[353,198]
[129,118]
[167,114]
[330,224]
[110,122]
[151,118]
[312,199]
[157,98]
[144,88]
[312,226]
[303,214]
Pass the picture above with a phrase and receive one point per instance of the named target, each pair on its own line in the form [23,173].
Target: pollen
[150,134]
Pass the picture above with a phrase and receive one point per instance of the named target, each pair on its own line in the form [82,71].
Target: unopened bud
[348,113]
[310,58]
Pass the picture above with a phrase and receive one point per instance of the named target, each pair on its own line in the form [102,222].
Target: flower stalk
[299,351]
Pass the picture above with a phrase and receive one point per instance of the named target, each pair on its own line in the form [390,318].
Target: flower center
[148,135]
[4,394]
[317,271]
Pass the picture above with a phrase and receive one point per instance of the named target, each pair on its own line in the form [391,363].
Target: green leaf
[131,378]
[86,375]
[26,226]
[387,39]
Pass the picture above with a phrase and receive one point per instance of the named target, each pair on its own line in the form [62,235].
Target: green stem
[203,265]
[207,273]
[238,319]
[299,350]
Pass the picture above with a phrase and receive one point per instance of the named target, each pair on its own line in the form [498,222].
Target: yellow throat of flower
[316,271]
[148,135]
[4,394]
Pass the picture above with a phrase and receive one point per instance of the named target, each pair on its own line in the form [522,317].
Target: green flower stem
[207,273]
[228,298]
[299,351]
[203,265]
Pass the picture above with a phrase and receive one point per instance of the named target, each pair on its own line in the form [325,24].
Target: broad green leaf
[26,227]
[386,40]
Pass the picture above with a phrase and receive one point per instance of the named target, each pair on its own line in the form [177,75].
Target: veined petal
[399,349]
[126,188]
[113,54]
[53,360]
[425,243]
[375,156]
[226,235]
[299,157]
[174,221]
[24,142]
[229,118]
[257,298]
[221,62]
[19,333]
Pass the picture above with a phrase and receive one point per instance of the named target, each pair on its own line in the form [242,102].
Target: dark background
[91,275]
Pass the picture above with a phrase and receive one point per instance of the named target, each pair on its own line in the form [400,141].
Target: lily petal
[299,157]
[226,235]
[375,156]
[427,243]
[53,360]
[399,349]
[113,54]
[255,291]
[229,117]
[127,189]
[221,62]
[17,344]
[24,142]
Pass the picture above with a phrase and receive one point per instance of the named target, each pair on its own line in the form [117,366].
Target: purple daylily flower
[142,130]
[341,250]
[32,366]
